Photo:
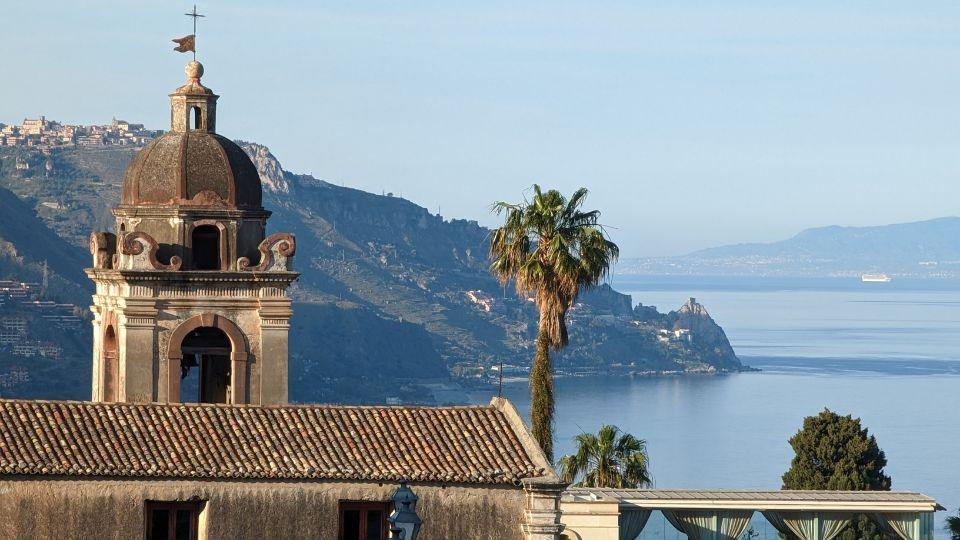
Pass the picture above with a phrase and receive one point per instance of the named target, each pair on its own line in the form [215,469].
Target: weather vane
[189,43]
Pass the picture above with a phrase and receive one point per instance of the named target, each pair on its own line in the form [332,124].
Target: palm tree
[953,526]
[607,460]
[550,247]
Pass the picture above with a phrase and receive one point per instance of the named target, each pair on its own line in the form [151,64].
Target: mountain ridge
[926,248]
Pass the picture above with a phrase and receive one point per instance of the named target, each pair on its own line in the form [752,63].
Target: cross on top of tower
[195,16]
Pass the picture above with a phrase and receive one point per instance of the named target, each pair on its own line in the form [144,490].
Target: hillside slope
[26,244]
[32,253]
[388,290]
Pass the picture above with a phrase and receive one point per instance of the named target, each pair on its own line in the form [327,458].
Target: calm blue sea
[887,353]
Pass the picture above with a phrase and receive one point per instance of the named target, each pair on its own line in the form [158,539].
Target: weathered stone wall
[68,509]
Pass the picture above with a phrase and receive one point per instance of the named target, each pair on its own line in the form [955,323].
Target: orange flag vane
[186,43]
[189,43]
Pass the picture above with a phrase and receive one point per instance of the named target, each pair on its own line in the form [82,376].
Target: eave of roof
[745,499]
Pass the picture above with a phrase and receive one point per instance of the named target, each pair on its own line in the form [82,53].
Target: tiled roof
[444,444]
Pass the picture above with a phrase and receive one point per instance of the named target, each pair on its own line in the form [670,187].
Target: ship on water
[875,278]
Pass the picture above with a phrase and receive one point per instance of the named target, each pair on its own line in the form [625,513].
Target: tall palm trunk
[541,395]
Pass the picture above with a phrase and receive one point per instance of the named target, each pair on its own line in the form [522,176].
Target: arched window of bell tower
[205,247]
[196,118]
[205,366]
[111,365]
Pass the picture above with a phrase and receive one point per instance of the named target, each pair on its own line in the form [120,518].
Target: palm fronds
[609,458]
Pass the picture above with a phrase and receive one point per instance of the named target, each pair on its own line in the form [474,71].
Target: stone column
[96,392]
[542,514]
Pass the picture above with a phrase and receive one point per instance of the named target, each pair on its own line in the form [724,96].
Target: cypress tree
[835,452]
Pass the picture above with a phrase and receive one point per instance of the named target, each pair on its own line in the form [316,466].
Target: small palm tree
[609,459]
[550,247]
[953,526]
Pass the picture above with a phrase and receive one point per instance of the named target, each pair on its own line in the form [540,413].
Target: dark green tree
[610,458]
[952,525]
[552,248]
[836,453]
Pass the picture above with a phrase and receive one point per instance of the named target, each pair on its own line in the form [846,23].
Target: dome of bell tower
[191,165]
[192,169]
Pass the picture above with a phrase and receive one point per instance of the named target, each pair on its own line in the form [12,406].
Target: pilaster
[275,312]
[542,513]
[138,359]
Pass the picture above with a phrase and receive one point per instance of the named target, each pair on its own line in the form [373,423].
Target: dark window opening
[205,367]
[195,117]
[173,520]
[363,520]
[206,247]
[111,367]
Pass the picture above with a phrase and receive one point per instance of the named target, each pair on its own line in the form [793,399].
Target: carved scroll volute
[103,246]
[276,254]
[138,251]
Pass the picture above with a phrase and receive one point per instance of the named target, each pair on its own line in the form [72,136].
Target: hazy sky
[692,123]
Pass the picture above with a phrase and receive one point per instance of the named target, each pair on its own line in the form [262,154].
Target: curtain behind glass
[632,522]
[805,524]
[903,524]
[698,524]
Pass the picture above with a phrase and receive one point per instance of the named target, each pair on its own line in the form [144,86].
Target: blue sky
[692,123]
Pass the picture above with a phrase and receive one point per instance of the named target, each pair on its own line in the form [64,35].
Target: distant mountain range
[390,294]
[920,249]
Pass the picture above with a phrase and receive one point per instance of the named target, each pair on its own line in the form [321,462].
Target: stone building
[189,433]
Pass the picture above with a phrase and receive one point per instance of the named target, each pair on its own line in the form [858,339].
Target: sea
[887,353]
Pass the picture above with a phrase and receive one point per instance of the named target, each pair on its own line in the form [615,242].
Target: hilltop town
[45,134]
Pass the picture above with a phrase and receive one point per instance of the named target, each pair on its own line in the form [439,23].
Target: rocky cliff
[706,336]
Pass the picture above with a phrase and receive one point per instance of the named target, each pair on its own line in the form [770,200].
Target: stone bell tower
[191,301]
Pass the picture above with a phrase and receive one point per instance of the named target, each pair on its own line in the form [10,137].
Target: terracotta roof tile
[452,444]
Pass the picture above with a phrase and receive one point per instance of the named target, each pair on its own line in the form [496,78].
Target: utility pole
[46,278]
[500,390]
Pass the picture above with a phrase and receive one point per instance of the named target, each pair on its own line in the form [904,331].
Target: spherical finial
[194,70]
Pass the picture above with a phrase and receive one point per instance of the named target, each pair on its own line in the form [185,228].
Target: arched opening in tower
[111,365]
[195,117]
[205,367]
[206,248]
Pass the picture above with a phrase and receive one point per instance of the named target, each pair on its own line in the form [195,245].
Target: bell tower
[191,297]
